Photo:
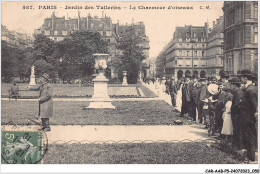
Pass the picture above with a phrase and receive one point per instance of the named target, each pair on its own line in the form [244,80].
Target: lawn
[74,90]
[74,113]
[138,153]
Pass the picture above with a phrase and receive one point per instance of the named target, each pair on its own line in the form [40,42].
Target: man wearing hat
[45,101]
[202,95]
[238,96]
[173,91]
[186,97]
[194,91]
[249,113]
[224,81]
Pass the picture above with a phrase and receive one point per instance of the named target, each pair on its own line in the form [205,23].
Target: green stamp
[23,147]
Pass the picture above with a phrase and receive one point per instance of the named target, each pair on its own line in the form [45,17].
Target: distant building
[16,39]
[240,36]
[186,52]
[215,48]
[58,28]
[153,68]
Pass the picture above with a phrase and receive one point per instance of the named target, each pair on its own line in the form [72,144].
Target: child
[227,129]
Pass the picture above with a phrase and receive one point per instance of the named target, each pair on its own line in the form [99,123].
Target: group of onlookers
[227,106]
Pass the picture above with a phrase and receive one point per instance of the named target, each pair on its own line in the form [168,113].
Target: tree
[77,51]
[132,56]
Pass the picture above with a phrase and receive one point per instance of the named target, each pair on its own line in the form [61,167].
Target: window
[92,26]
[180,39]
[187,62]
[180,62]
[187,34]
[195,46]
[203,53]
[55,38]
[194,34]
[188,45]
[203,46]
[101,33]
[195,62]
[255,34]
[180,45]
[55,32]
[188,53]
[195,53]
[108,33]
[47,32]
[64,33]
[180,53]
[255,10]
[187,39]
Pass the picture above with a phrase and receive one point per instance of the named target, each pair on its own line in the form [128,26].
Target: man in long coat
[173,91]
[194,91]
[238,96]
[249,114]
[45,102]
[186,97]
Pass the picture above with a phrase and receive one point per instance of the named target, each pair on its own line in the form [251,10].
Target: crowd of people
[226,106]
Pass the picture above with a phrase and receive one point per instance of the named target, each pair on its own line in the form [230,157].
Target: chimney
[214,24]
[52,20]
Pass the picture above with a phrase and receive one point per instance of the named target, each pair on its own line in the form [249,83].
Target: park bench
[14,94]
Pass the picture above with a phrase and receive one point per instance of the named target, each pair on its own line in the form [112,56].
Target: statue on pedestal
[32,77]
[124,78]
[100,98]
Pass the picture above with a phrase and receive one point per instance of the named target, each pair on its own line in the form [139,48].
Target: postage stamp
[23,147]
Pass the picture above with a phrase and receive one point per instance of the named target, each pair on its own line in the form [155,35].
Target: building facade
[58,28]
[16,39]
[186,52]
[215,48]
[240,36]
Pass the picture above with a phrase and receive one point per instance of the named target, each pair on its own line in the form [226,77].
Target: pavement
[120,134]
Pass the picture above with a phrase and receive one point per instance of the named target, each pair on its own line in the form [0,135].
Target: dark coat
[45,100]
[237,104]
[194,91]
[249,105]
[203,92]
[186,96]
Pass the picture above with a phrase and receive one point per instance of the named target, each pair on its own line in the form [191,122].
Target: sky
[160,23]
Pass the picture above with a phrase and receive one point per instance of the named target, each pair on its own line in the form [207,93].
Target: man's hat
[247,73]
[195,76]
[235,80]
[214,79]
[224,74]
[203,77]
[187,74]
[46,76]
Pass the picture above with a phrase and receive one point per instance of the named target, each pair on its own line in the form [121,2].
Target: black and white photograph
[121,82]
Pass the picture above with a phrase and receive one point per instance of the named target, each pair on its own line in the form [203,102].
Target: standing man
[186,97]
[173,91]
[238,96]
[45,101]
[249,113]
[194,91]
[203,94]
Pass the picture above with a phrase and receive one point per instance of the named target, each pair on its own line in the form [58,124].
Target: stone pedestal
[124,78]
[32,77]
[100,98]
